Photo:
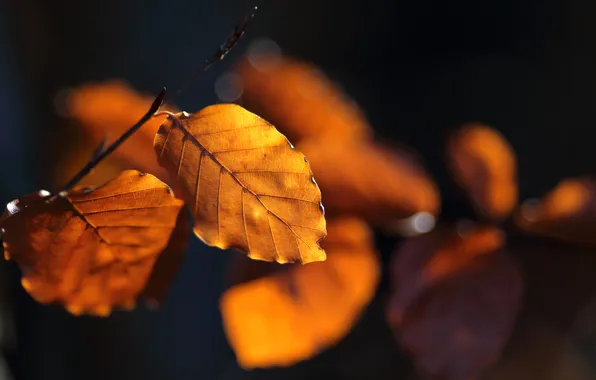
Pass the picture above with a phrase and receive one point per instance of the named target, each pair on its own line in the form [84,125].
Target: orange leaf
[484,164]
[370,181]
[91,250]
[292,315]
[111,108]
[455,301]
[247,187]
[567,213]
[300,100]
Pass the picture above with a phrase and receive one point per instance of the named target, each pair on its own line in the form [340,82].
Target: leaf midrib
[178,124]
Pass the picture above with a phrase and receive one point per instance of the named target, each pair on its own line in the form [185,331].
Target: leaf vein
[288,198]
[245,149]
[181,156]
[182,127]
[112,195]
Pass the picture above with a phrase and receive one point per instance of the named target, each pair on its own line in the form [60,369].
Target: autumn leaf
[247,187]
[567,213]
[370,181]
[300,100]
[91,250]
[110,108]
[484,164]
[455,301]
[292,315]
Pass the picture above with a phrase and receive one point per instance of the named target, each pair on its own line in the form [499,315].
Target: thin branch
[97,158]
[224,49]
[101,147]
[101,153]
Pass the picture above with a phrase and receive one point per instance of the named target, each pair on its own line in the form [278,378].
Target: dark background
[417,68]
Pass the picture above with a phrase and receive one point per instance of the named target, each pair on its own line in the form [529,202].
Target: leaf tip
[319,257]
[26,284]
[103,310]
[74,309]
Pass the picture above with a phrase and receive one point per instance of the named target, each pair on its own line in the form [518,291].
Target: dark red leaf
[455,301]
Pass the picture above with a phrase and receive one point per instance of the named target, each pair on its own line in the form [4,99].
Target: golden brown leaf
[110,108]
[370,181]
[484,164]
[300,100]
[292,315]
[567,213]
[247,187]
[455,301]
[91,250]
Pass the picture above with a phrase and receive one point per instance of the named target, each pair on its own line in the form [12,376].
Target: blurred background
[417,68]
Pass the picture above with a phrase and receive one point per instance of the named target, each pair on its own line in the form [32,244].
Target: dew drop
[43,193]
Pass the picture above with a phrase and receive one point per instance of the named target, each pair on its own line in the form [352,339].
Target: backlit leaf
[109,109]
[484,164]
[455,301]
[370,181]
[91,250]
[567,213]
[300,100]
[294,314]
[247,187]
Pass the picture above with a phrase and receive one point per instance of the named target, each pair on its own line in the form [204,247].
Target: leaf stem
[103,153]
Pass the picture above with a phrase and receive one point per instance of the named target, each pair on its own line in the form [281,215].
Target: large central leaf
[247,187]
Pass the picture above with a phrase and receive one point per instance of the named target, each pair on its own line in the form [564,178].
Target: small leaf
[91,250]
[484,165]
[111,108]
[300,100]
[455,301]
[567,213]
[370,181]
[295,313]
[247,187]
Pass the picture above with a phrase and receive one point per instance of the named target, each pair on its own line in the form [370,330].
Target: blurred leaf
[92,249]
[247,187]
[292,315]
[77,156]
[484,165]
[370,181]
[567,213]
[300,100]
[168,263]
[110,109]
[455,301]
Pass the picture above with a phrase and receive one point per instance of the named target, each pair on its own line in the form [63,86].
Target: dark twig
[101,153]
[100,148]
[98,157]
[224,49]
